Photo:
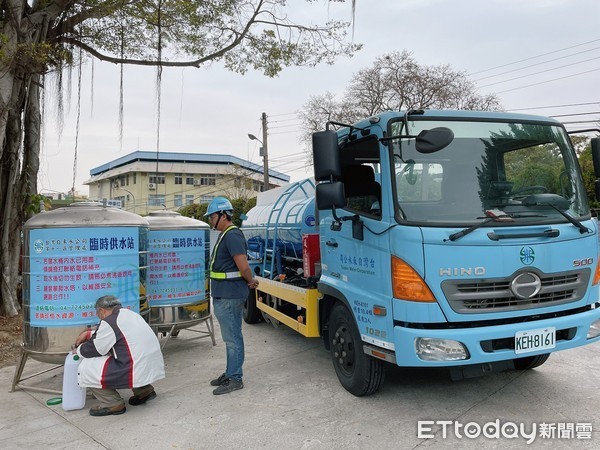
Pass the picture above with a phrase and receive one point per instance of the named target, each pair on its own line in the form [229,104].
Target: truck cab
[452,238]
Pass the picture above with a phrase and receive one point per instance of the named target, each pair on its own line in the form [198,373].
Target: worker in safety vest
[230,283]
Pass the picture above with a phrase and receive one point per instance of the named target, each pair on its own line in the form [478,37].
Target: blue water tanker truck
[454,239]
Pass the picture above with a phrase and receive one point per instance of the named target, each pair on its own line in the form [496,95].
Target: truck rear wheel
[530,362]
[358,373]
[251,312]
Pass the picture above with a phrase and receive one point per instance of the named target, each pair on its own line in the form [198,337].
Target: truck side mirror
[595,143]
[330,195]
[430,141]
[326,155]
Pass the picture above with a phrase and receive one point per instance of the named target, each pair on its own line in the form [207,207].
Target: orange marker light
[597,274]
[407,284]
[379,310]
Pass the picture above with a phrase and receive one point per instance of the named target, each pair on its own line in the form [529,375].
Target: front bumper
[477,338]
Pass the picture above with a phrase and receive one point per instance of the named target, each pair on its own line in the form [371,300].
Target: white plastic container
[73,396]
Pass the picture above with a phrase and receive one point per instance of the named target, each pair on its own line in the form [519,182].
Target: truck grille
[495,294]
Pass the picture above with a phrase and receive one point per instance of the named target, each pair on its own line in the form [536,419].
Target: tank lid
[173,219]
[85,214]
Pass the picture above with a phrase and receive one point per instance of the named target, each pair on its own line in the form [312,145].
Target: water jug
[73,396]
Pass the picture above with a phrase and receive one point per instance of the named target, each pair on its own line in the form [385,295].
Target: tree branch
[142,62]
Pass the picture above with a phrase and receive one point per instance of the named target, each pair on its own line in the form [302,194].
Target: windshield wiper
[493,215]
[582,228]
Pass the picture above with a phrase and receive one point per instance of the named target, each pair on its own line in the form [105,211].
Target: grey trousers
[111,397]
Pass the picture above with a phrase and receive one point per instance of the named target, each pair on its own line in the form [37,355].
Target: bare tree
[37,37]
[395,82]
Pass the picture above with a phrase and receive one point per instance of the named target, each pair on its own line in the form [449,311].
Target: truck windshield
[525,170]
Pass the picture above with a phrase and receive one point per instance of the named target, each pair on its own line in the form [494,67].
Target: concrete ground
[293,400]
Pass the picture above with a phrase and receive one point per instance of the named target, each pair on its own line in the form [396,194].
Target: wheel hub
[343,349]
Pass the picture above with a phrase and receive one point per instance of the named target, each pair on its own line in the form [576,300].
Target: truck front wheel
[358,373]
[251,312]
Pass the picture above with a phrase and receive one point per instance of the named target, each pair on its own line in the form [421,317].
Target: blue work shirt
[233,243]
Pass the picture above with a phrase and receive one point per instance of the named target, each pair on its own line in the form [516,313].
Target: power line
[288,132]
[554,106]
[548,81]
[534,57]
[537,73]
[536,64]
[576,114]
[284,114]
[581,121]
[284,120]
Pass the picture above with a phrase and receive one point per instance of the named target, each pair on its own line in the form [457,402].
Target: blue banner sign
[176,266]
[70,268]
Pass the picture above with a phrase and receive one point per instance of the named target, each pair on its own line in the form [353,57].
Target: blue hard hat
[218,204]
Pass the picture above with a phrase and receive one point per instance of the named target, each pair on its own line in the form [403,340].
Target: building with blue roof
[145,181]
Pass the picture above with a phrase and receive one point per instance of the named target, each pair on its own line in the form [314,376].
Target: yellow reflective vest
[222,275]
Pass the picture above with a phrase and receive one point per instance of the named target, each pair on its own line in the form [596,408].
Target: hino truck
[454,239]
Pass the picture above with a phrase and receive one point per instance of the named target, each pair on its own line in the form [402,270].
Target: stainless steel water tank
[73,256]
[177,286]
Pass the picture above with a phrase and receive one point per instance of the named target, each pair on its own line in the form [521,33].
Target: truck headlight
[431,349]
[594,330]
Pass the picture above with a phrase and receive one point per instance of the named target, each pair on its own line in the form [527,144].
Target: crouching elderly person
[123,353]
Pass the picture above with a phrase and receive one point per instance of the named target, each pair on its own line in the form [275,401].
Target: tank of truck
[280,218]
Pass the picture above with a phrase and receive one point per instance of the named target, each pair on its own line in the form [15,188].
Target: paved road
[293,400]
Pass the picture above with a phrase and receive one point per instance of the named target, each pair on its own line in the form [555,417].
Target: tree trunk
[19,150]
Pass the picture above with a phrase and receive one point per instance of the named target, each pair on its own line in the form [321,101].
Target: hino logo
[526,285]
[461,271]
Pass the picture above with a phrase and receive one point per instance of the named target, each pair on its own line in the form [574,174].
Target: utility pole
[264,152]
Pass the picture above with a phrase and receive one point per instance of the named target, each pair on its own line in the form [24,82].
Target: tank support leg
[210,333]
[19,372]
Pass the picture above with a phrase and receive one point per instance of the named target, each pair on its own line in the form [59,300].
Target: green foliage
[35,202]
[39,57]
[240,206]
[587,170]
[256,33]
[195,211]
[537,166]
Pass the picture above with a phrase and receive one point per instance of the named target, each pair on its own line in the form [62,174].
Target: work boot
[99,411]
[141,399]
[228,386]
[218,381]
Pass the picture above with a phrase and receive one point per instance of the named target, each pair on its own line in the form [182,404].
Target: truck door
[357,255]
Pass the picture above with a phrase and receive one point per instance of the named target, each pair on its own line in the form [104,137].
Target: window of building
[134,178]
[189,199]
[156,200]
[257,186]
[157,178]
[189,179]
[178,200]
[208,179]
[124,180]
[206,198]
[178,178]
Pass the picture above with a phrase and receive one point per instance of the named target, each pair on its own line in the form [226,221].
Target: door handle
[331,243]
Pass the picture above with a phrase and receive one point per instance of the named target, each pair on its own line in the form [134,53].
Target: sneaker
[228,386]
[99,411]
[218,381]
[141,399]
